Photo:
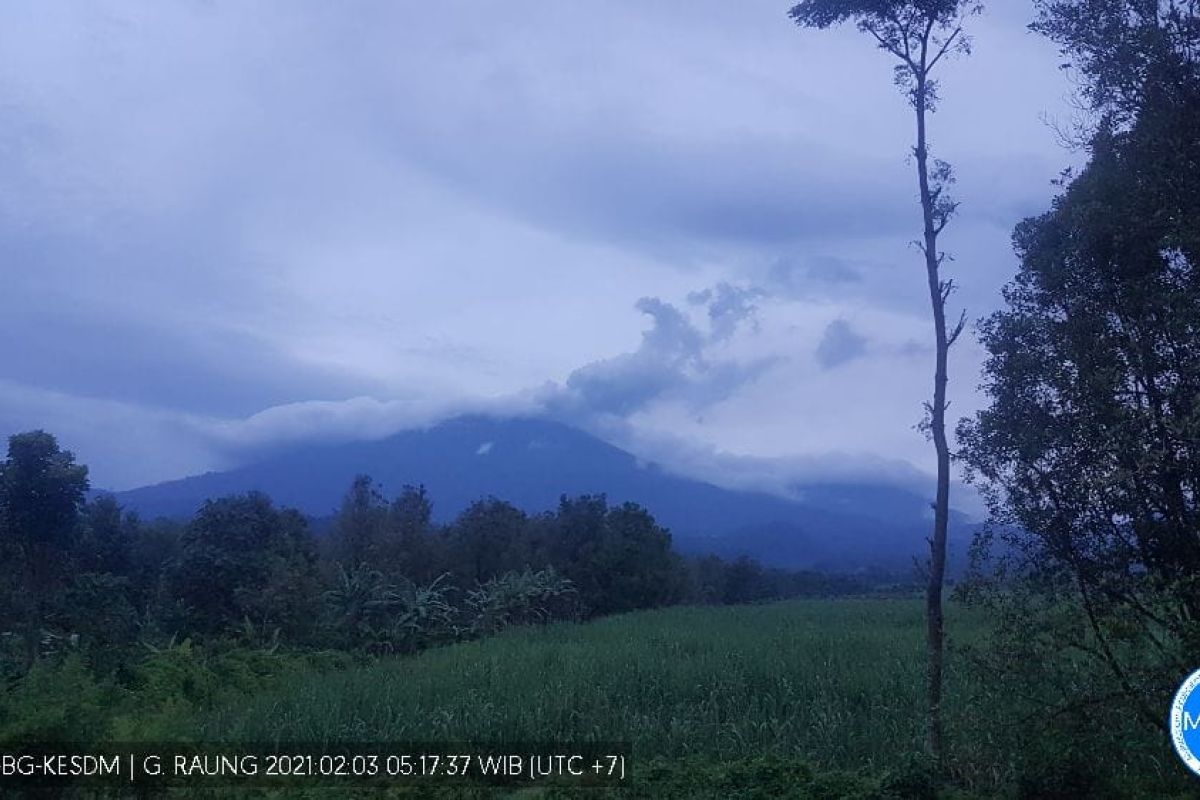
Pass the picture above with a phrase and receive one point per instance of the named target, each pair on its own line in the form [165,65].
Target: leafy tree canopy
[41,491]
[920,33]
[1123,49]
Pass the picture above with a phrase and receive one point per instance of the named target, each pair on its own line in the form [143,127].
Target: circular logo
[1185,722]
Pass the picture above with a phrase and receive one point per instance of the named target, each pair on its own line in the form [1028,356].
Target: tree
[618,558]
[708,579]
[243,559]
[361,523]
[1123,50]
[1089,451]
[745,582]
[489,539]
[41,492]
[920,34]
[637,567]
[410,523]
[107,539]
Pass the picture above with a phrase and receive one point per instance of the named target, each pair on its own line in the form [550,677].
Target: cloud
[215,240]
[642,190]
[213,370]
[728,307]
[840,344]
[123,444]
[723,388]
[799,277]
[675,358]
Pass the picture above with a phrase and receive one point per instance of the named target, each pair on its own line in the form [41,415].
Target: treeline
[381,576]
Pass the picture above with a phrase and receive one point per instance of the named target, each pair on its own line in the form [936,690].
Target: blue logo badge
[1185,722]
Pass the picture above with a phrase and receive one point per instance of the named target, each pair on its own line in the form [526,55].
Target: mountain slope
[532,462]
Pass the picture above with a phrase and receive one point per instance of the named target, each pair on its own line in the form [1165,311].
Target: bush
[367,612]
[57,702]
[520,598]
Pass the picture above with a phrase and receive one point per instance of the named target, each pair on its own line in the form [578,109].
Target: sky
[685,227]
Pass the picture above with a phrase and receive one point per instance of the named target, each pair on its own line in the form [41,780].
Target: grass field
[835,685]
[838,681]
[804,699]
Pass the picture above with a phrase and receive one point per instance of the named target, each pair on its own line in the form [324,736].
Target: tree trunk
[937,426]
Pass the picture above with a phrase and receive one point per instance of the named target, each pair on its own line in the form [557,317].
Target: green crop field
[712,700]
[803,699]
[839,681]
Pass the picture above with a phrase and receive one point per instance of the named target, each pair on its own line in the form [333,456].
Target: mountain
[532,462]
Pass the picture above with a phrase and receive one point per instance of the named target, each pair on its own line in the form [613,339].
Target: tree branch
[958,329]
[890,47]
[944,48]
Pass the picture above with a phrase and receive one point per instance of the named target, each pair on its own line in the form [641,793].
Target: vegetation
[1089,452]
[84,577]
[794,699]
[113,628]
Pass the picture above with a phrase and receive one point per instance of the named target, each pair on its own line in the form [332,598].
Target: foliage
[368,612]
[519,598]
[246,572]
[358,598]
[107,540]
[41,492]
[411,550]
[742,691]
[426,616]
[488,539]
[713,581]
[1123,50]
[154,549]
[55,702]
[98,612]
[242,558]
[1089,452]
[919,33]
[618,558]
[361,524]
[62,699]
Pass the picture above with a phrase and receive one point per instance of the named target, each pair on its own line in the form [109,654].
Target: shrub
[56,702]
[368,612]
[520,598]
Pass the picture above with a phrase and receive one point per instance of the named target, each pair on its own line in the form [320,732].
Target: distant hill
[532,462]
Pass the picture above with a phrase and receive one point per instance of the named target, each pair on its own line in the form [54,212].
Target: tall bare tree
[920,34]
